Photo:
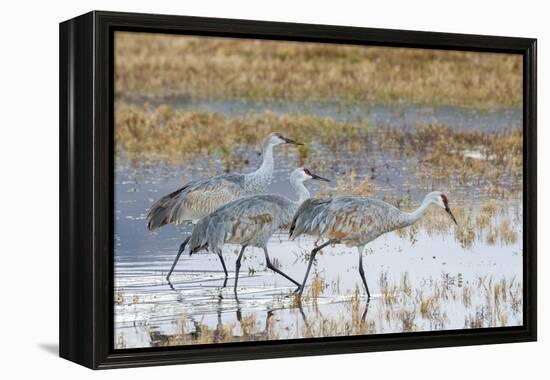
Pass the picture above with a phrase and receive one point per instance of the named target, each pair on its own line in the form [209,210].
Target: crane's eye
[307,171]
[445,200]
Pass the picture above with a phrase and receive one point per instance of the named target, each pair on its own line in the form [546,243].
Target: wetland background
[385,122]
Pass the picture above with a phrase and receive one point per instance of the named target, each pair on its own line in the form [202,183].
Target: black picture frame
[86,188]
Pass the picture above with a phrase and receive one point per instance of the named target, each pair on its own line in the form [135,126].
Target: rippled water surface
[422,278]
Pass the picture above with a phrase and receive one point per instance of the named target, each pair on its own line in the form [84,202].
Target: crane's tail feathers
[301,222]
[164,211]
[205,235]
[197,249]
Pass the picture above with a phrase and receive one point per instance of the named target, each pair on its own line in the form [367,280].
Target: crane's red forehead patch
[307,171]
[444,197]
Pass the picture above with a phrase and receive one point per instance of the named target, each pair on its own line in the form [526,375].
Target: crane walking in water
[355,221]
[200,197]
[250,222]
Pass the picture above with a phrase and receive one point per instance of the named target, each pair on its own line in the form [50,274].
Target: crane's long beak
[450,214]
[318,178]
[289,141]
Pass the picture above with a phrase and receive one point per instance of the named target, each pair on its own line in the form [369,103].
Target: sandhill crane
[355,221]
[200,197]
[250,222]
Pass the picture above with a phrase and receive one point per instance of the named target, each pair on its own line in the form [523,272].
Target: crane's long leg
[273,268]
[237,268]
[311,258]
[364,316]
[362,271]
[304,318]
[224,268]
[182,248]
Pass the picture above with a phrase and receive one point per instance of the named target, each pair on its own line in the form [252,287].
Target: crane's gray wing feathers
[246,221]
[346,219]
[194,200]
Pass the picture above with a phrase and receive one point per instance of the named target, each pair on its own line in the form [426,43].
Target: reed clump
[350,184]
[487,223]
[503,300]
[442,155]
[318,284]
[163,134]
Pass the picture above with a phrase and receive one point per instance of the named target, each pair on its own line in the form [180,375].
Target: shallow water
[402,116]
[416,264]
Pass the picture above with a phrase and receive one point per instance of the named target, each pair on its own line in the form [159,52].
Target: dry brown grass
[503,300]
[175,136]
[198,67]
[317,286]
[438,151]
[348,185]
[441,156]
[486,224]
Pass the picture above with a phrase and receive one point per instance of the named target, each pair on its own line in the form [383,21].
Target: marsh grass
[503,300]
[486,223]
[350,184]
[317,286]
[436,153]
[157,65]
[441,154]
[163,134]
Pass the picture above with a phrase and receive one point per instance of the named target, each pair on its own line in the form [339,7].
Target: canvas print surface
[273,190]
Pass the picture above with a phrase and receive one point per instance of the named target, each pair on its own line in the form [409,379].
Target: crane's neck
[412,217]
[301,190]
[258,180]
[267,160]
